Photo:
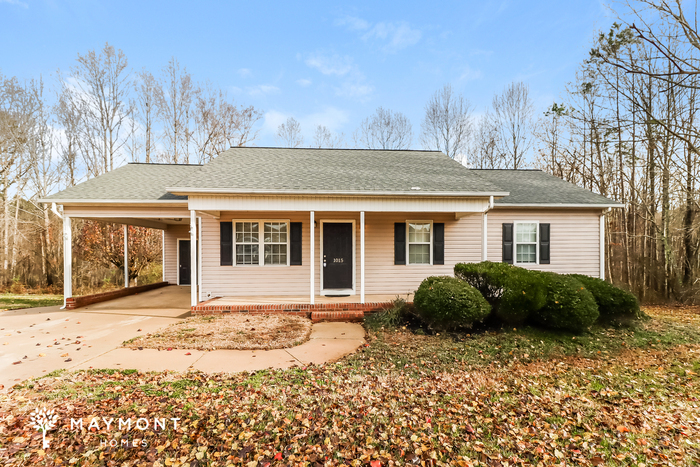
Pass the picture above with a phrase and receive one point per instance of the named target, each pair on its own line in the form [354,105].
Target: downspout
[55,211]
[484,230]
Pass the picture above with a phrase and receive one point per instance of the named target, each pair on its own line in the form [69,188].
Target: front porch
[349,307]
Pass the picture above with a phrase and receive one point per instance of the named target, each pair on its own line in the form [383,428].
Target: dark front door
[184,266]
[337,255]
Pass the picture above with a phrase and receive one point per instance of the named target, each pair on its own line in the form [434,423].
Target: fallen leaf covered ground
[236,331]
[611,397]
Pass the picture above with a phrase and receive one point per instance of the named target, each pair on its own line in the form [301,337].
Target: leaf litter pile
[236,331]
[403,400]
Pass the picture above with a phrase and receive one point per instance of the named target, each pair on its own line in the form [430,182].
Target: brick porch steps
[316,312]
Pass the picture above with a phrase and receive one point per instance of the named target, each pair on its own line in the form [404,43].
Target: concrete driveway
[37,341]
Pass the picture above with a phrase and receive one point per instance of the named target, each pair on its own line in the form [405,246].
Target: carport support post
[193,257]
[126,255]
[67,260]
[312,242]
[362,257]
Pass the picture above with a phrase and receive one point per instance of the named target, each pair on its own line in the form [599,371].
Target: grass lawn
[522,397]
[16,301]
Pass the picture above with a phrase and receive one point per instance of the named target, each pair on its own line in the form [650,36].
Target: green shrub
[513,292]
[613,302]
[391,318]
[569,305]
[447,303]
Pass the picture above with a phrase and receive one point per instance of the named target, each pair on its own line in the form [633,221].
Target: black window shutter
[226,241]
[295,244]
[544,243]
[438,243]
[400,243]
[508,243]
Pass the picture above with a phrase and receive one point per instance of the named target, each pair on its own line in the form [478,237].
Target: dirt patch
[238,332]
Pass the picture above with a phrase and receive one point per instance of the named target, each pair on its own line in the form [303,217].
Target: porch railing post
[193,258]
[126,255]
[362,257]
[312,241]
[67,260]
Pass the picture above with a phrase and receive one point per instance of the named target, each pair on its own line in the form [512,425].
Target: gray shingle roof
[132,182]
[528,187]
[283,170]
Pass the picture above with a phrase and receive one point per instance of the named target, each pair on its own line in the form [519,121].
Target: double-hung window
[526,242]
[419,242]
[267,237]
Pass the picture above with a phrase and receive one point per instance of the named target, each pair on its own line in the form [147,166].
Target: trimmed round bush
[446,303]
[569,305]
[513,292]
[613,302]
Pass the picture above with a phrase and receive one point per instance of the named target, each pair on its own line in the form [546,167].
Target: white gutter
[182,202]
[55,211]
[558,205]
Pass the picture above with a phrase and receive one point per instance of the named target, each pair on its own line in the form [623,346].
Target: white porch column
[199,259]
[484,236]
[67,260]
[312,254]
[362,257]
[602,246]
[126,255]
[162,256]
[193,258]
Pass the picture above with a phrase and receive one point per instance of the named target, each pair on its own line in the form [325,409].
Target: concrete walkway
[46,339]
[328,342]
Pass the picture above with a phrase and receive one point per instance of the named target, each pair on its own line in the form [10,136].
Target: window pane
[419,254]
[276,254]
[275,232]
[247,254]
[246,232]
[526,233]
[419,233]
[526,253]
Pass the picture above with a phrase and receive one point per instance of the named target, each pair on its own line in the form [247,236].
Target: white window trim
[408,257]
[537,242]
[261,242]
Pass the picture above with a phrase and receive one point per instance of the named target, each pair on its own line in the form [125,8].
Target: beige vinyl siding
[574,238]
[462,243]
[170,254]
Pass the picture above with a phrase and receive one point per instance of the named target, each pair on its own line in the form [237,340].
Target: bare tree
[512,118]
[447,124]
[484,153]
[289,134]
[384,129]
[176,109]
[324,138]
[99,89]
[148,92]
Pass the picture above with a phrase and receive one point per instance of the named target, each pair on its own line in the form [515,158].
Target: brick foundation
[76,302]
[317,312]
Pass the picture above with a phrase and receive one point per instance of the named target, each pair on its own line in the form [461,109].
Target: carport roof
[133,182]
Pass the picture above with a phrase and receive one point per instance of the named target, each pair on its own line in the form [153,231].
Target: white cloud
[353,23]
[398,35]
[16,2]
[304,82]
[330,65]
[357,90]
[244,72]
[262,90]
[393,36]
[469,74]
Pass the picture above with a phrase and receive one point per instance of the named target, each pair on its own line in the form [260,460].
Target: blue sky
[320,62]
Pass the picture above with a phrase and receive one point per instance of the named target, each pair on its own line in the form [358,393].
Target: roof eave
[417,193]
[559,205]
[169,202]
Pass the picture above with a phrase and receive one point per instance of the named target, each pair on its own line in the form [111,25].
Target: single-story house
[282,223]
